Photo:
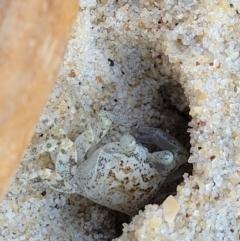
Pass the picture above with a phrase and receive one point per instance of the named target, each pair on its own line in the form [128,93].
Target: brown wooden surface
[33,37]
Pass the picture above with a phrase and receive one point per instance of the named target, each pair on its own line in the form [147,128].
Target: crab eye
[49,145]
[167,157]
[128,142]
[164,162]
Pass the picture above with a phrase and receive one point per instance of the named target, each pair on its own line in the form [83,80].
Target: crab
[123,176]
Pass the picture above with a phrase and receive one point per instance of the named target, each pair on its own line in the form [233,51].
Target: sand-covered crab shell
[119,179]
[122,175]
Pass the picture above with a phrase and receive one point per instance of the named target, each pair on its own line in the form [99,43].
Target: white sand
[125,56]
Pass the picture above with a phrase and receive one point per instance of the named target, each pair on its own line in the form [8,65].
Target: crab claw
[158,137]
[162,139]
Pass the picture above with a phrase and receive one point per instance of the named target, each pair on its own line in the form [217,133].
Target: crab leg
[66,162]
[90,138]
[83,143]
[55,181]
[105,120]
